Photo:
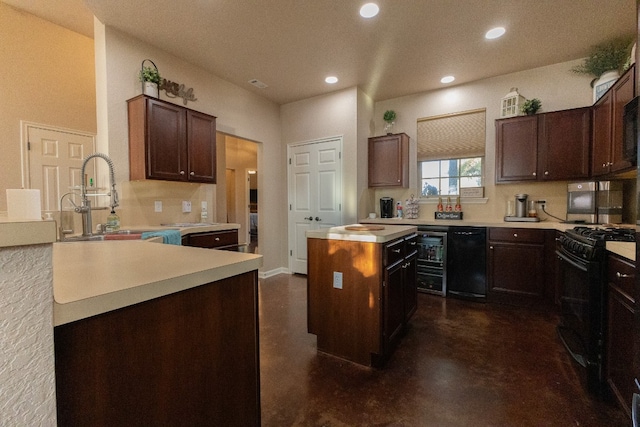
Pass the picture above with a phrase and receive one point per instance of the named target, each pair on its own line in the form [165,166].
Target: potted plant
[150,78]
[531,106]
[390,118]
[605,63]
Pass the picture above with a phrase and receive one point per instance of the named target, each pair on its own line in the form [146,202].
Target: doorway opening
[241,189]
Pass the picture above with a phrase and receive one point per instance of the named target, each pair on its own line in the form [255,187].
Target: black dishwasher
[467,262]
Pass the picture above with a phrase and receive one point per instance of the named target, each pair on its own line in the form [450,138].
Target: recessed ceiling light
[369,10]
[447,79]
[331,80]
[494,33]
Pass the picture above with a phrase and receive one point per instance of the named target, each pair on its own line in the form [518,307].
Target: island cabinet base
[360,296]
[347,321]
[189,358]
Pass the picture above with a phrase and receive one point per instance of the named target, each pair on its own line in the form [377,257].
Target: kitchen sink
[111,235]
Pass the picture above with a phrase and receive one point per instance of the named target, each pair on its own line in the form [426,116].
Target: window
[445,177]
[451,152]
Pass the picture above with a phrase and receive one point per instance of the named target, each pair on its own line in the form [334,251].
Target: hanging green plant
[389,116]
[611,55]
[531,106]
[149,74]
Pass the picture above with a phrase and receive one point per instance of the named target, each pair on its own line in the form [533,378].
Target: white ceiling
[292,45]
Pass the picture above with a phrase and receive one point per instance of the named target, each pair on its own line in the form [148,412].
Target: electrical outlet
[186,206]
[337,280]
[158,206]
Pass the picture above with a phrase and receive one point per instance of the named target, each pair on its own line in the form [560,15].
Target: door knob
[310,218]
[318,219]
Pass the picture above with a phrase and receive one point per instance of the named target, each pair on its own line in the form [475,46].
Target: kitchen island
[361,290]
[155,334]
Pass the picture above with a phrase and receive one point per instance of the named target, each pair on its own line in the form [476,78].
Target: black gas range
[588,243]
[583,298]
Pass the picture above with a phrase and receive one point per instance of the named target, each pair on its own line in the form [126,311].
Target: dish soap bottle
[113,221]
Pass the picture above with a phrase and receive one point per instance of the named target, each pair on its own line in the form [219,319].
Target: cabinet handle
[181,172]
[604,165]
[217,239]
[491,247]
[546,172]
[622,276]
[515,234]
[534,174]
[192,173]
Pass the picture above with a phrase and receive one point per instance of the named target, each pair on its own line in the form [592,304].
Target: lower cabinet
[619,344]
[363,315]
[225,240]
[517,272]
[186,359]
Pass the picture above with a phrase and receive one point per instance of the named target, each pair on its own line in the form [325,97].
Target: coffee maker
[386,207]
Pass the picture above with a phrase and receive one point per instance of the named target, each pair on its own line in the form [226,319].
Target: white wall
[238,111]
[334,114]
[554,85]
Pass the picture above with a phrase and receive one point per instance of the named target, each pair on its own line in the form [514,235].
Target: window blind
[452,136]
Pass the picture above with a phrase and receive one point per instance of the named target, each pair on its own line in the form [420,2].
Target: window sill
[463,201]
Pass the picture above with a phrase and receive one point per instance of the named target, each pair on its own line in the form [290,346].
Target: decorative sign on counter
[448,215]
[175,90]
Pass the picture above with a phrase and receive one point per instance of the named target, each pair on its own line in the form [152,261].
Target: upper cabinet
[389,161]
[608,112]
[543,147]
[170,142]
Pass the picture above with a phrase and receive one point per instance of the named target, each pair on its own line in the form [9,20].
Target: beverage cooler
[432,262]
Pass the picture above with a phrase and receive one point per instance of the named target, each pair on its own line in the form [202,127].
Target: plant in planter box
[150,78]
[149,74]
[531,106]
[604,57]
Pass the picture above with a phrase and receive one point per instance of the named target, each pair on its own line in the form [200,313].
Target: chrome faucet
[85,207]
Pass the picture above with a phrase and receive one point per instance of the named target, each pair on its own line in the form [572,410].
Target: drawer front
[393,252]
[521,235]
[214,239]
[622,274]
[410,244]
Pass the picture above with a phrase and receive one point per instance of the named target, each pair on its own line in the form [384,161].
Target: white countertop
[545,225]
[624,249]
[91,278]
[22,233]
[390,232]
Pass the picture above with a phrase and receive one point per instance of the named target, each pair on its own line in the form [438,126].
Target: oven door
[582,316]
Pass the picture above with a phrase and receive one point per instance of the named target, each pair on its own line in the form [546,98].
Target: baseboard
[274,272]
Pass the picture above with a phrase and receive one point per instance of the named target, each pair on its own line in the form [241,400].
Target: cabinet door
[393,305]
[622,93]
[601,142]
[389,161]
[517,149]
[563,144]
[516,273]
[410,284]
[166,141]
[201,142]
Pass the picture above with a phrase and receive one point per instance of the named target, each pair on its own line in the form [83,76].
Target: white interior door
[315,194]
[55,160]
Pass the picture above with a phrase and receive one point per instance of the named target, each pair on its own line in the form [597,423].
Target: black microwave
[630,131]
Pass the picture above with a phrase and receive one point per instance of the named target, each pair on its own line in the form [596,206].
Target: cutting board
[364,227]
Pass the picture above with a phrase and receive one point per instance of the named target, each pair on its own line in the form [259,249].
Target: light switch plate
[337,280]
[158,206]
[186,206]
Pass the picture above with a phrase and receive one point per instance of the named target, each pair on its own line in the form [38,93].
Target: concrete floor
[460,364]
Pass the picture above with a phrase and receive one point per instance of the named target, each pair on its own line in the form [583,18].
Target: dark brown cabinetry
[389,161]
[543,147]
[226,240]
[169,142]
[619,341]
[188,358]
[516,265]
[607,116]
[370,309]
